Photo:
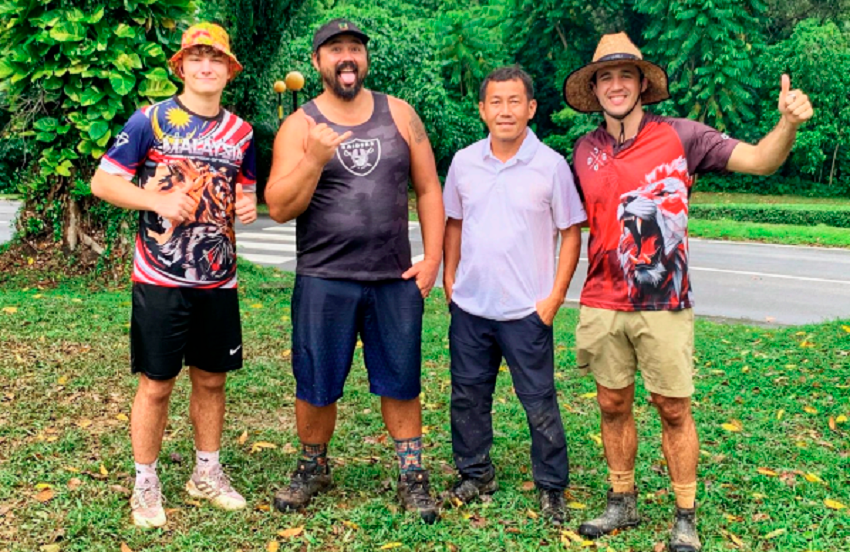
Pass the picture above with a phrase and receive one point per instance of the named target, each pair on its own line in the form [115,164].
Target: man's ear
[644,85]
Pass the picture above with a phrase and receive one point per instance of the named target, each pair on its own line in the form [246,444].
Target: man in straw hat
[194,163]
[636,172]
[341,166]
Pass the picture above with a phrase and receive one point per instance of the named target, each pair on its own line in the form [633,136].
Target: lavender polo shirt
[511,215]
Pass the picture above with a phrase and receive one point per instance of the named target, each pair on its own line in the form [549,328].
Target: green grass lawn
[65,457]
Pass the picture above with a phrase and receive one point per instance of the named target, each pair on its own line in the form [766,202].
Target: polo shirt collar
[526,151]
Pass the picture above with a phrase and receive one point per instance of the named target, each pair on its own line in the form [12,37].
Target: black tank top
[356,224]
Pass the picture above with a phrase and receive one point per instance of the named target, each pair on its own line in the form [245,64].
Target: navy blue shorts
[327,317]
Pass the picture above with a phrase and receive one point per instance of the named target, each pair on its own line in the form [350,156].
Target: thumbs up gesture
[246,206]
[794,106]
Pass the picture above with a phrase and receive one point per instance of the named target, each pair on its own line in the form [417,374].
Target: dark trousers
[477,346]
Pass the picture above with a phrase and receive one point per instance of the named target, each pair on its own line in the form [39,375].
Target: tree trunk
[72,230]
[834,155]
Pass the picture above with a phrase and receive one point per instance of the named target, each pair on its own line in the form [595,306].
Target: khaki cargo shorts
[613,345]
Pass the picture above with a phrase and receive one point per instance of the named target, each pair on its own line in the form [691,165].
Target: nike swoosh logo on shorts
[234,351]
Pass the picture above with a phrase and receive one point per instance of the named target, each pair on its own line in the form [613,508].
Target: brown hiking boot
[621,512]
[308,480]
[414,493]
[684,537]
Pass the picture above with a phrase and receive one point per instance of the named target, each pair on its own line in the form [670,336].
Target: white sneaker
[146,504]
[214,486]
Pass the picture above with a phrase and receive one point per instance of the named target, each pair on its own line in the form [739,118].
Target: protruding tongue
[347,77]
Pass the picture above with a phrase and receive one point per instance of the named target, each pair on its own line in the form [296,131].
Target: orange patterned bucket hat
[205,34]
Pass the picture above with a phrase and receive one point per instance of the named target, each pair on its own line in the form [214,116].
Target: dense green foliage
[69,79]
[802,215]
[71,74]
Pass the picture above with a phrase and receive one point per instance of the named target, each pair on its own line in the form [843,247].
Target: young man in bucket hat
[635,172]
[341,166]
[194,162]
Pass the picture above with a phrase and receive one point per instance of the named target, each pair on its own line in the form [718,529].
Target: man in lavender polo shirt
[508,198]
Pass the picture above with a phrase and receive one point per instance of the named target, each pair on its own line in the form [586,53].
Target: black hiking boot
[414,493]
[308,480]
[684,537]
[553,506]
[621,512]
[470,488]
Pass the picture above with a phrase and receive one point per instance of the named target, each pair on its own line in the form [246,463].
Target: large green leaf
[157,88]
[98,129]
[6,68]
[121,83]
[91,96]
[46,124]
[68,31]
[124,31]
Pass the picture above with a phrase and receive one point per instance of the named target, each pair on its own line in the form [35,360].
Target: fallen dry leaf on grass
[74,483]
[527,486]
[260,445]
[767,471]
[125,548]
[733,426]
[44,495]
[774,534]
[273,546]
[391,545]
[291,532]
[243,437]
[834,504]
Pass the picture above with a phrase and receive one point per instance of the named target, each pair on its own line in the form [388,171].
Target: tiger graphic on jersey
[653,250]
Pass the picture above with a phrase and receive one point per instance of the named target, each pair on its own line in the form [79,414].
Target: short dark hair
[509,73]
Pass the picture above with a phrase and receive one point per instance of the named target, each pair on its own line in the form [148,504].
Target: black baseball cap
[334,28]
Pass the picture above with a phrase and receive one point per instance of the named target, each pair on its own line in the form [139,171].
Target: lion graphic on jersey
[653,249]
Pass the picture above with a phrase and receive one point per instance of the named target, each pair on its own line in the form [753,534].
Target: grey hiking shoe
[414,493]
[553,506]
[308,480]
[621,512]
[684,536]
[470,488]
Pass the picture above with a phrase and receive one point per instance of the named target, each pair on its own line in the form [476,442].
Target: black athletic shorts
[173,326]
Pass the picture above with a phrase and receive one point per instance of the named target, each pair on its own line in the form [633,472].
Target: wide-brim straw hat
[205,34]
[613,49]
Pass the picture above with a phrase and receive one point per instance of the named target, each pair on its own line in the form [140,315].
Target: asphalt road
[768,284]
[773,284]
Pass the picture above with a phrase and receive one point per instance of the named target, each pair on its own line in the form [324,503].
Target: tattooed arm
[429,194]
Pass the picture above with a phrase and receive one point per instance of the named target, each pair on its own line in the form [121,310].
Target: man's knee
[674,411]
[156,391]
[208,382]
[615,403]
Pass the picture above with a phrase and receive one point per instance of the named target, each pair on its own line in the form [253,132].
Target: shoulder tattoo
[417,129]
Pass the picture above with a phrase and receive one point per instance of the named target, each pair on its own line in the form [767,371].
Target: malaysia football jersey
[636,197]
[168,148]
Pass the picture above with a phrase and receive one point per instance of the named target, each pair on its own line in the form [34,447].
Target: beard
[345,92]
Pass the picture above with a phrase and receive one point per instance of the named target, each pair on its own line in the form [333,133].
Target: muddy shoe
[684,536]
[552,505]
[308,480]
[621,512]
[414,493]
[470,488]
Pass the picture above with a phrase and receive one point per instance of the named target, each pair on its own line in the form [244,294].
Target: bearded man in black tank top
[341,168]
